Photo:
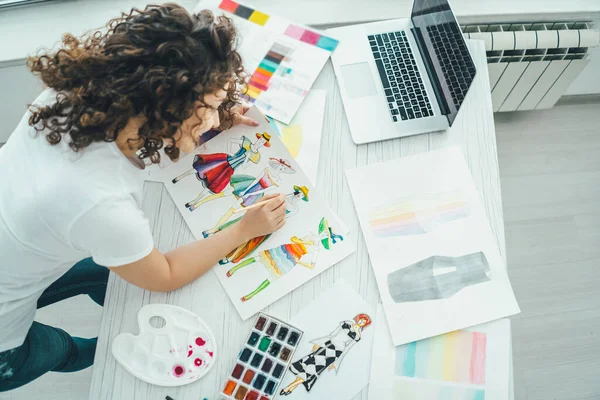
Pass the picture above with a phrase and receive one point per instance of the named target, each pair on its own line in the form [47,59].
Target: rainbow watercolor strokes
[417,215]
[259,81]
[293,31]
[405,389]
[454,357]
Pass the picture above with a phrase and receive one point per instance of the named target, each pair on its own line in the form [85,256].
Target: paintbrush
[255,205]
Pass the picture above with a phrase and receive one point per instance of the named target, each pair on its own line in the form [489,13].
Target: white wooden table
[473,131]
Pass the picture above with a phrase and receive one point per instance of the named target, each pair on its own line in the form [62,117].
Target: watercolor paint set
[263,360]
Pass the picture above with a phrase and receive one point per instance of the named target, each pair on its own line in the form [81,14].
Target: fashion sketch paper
[238,168]
[434,255]
[334,358]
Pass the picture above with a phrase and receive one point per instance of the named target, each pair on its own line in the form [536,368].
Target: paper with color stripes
[454,357]
[435,258]
[470,364]
[282,58]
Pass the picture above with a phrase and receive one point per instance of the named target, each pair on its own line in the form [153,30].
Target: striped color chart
[417,215]
[245,12]
[454,357]
[310,37]
[293,31]
[259,81]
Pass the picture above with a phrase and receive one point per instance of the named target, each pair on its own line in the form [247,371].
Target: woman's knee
[93,271]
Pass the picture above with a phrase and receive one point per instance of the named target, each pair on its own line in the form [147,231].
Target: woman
[250,190]
[328,352]
[72,177]
[215,170]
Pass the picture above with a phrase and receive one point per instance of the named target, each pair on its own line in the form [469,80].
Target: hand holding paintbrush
[266,216]
[260,203]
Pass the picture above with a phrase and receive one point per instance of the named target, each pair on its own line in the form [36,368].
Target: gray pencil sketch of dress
[437,277]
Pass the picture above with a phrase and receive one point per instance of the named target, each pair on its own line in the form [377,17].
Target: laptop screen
[444,51]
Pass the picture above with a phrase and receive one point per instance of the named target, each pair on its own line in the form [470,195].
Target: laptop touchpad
[358,80]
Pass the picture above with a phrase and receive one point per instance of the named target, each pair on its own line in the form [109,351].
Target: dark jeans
[51,349]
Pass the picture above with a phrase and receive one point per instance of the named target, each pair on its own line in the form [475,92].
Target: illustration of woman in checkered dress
[328,352]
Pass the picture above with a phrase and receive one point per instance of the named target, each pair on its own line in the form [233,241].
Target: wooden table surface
[473,131]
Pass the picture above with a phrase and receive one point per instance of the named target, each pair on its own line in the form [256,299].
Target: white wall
[18,88]
[588,82]
[25,29]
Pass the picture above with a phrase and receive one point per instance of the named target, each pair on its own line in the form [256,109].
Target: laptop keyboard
[456,63]
[400,77]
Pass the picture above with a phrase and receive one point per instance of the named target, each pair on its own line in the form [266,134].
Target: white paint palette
[181,351]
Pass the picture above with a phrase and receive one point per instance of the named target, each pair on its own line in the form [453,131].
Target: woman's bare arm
[165,272]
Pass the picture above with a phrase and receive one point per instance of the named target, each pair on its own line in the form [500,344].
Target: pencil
[239,210]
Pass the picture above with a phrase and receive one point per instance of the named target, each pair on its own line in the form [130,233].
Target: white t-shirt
[58,207]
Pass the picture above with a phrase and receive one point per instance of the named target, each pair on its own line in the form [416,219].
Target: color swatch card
[302,136]
[434,255]
[470,364]
[238,168]
[282,58]
[334,357]
[263,360]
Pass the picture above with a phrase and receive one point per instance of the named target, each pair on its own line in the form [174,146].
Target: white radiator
[532,65]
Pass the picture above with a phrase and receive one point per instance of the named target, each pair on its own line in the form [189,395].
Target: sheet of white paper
[470,364]
[302,136]
[232,167]
[320,321]
[435,258]
[282,58]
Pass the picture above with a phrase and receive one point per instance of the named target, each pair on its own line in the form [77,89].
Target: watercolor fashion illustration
[215,170]
[328,352]
[291,209]
[248,190]
[280,260]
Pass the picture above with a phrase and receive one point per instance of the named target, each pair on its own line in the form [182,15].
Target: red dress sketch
[216,169]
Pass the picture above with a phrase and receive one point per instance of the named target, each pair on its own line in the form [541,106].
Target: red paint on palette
[310,37]
[210,353]
[228,5]
[190,352]
[197,362]
[178,370]
[200,341]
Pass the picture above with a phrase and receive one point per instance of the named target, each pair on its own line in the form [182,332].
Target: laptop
[403,77]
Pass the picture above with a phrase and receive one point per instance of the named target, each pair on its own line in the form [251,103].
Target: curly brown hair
[158,62]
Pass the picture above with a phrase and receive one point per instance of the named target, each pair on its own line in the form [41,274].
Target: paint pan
[179,348]
[263,360]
